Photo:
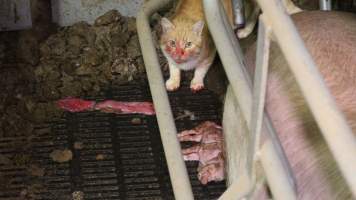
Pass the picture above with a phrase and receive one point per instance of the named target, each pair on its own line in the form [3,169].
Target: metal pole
[239,13]
[233,62]
[237,190]
[259,88]
[325,4]
[273,174]
[172,149]
[331,121]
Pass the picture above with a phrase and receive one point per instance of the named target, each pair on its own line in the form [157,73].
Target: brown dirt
[4,160]
[100,157]
[136,121]
[78,145]
[39,66]
[78,195]
[61,155]
[35,170]
[83,59]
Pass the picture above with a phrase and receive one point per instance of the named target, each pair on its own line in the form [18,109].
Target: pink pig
[330,37]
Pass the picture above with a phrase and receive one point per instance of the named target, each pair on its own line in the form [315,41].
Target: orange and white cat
[186,43]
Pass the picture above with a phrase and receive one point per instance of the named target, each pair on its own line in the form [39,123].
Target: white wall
[67,12]
[15,14]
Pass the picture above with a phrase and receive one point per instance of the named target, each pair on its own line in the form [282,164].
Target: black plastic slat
[118,159]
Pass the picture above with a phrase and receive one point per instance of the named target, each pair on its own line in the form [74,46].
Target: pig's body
[330,37]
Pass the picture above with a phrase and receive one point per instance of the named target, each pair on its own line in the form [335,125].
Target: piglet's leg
[173,82]
[191,153]
[211,172]
[190,135]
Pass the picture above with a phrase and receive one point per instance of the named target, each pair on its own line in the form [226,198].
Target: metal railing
[331,121]
[251,100]
[176,166]
[233,62]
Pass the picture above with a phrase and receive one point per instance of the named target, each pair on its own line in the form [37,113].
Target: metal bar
[331,121]
[259,93]
[273,171]
[237,190]
[239,13]
[233,63]
[232,57]
[259,89]
[172,149]
[236,142]
[325,4]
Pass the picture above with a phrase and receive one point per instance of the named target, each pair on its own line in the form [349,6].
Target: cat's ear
[166,25]
[198,27]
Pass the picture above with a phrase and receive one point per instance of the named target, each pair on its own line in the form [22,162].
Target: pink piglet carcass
[206,132]
[209,151]
[202,152]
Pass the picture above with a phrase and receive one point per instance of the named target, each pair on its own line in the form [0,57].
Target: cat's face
[181,41]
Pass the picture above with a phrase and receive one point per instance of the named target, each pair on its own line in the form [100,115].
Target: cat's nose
[179,52]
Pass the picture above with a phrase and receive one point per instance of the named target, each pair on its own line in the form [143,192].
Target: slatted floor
[118,159]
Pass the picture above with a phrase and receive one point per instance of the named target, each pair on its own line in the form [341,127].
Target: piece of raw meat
[207,132]
[75,104]
[119,107]
[108,106]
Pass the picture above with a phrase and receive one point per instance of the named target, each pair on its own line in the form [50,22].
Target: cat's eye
[188,44]
[172,43]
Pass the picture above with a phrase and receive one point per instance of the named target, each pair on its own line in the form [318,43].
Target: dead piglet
[206,132]
[209,151]
[203,152]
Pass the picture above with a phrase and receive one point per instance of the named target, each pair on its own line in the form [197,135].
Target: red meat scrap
[75,104]
[108,106]
[111,106]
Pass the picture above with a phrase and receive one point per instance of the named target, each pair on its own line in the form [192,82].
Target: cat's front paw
[196,86]
[172,84]
[244,32]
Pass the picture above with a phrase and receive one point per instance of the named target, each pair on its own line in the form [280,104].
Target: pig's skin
[331,39]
